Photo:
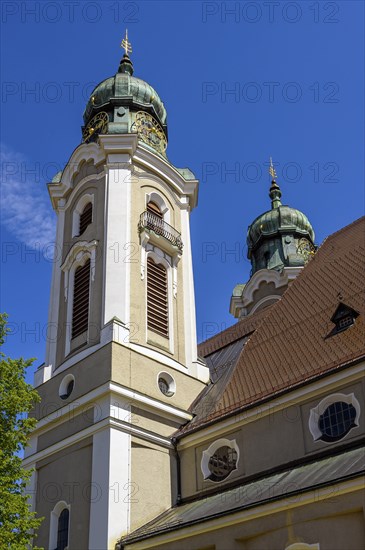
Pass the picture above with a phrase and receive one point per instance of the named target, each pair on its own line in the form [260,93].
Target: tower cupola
[279,243]
[280,237]
[124,104]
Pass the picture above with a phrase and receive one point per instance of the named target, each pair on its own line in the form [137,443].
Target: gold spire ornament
[125,44]
[274,193]
[272,170]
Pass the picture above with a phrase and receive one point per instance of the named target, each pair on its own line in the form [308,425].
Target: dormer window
[86,217]
[345,322]
[343,317]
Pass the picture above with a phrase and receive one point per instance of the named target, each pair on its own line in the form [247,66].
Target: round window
[222,463]
[163,385]
[66,386]
[337,420]
[166,384]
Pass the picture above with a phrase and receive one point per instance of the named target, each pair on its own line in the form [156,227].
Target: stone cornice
[168,173]
[83,153]
[110,149]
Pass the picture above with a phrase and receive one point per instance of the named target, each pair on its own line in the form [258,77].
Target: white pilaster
[110,503]
[189,296]
[117,238]
[53,311]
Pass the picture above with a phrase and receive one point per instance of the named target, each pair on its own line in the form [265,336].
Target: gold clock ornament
[97,125]
[149,131]
[305,249]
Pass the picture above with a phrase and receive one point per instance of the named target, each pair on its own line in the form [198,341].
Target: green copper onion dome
[281,237]
[125,104]
[123,89]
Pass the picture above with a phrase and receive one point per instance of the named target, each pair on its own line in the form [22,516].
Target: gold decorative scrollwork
[150,131]
[305,249]
[97,125]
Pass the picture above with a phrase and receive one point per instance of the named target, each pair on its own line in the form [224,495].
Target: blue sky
[241,81]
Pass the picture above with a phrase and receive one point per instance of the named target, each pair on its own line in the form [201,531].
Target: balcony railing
[153,223]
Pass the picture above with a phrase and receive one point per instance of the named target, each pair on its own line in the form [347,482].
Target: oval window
[337,420]
[222,463]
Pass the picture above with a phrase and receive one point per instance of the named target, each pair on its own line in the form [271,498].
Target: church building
[251,440]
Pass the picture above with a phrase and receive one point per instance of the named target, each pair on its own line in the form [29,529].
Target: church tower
[280,242]
[121,363]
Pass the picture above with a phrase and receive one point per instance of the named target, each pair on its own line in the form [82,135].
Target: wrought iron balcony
[153,223]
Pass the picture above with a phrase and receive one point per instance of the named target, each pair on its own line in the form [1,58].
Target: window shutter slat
[160,293]
[156,310]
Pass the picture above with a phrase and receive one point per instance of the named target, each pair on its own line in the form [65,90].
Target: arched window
[155,218]
[59,529]
[85,217]
[157,298]
[62,529]
[82,214]
[80,309]
[153,208]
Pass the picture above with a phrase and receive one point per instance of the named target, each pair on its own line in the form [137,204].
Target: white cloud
[26,211]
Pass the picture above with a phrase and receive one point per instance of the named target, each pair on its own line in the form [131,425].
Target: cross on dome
[125,44]
[272,170]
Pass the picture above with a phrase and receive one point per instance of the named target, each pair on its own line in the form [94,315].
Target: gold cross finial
[272,170]
[126,45]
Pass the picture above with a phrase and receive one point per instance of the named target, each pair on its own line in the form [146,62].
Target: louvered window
[62,531]
[80,311]
[86,217]
[157,298]
[154,209]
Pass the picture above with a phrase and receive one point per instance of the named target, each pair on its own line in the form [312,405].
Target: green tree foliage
[17,398]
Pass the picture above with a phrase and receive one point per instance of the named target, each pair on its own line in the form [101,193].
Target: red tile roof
[294,341]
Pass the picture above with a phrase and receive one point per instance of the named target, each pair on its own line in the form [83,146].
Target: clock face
[305,249]
[149,131]
[97,125]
